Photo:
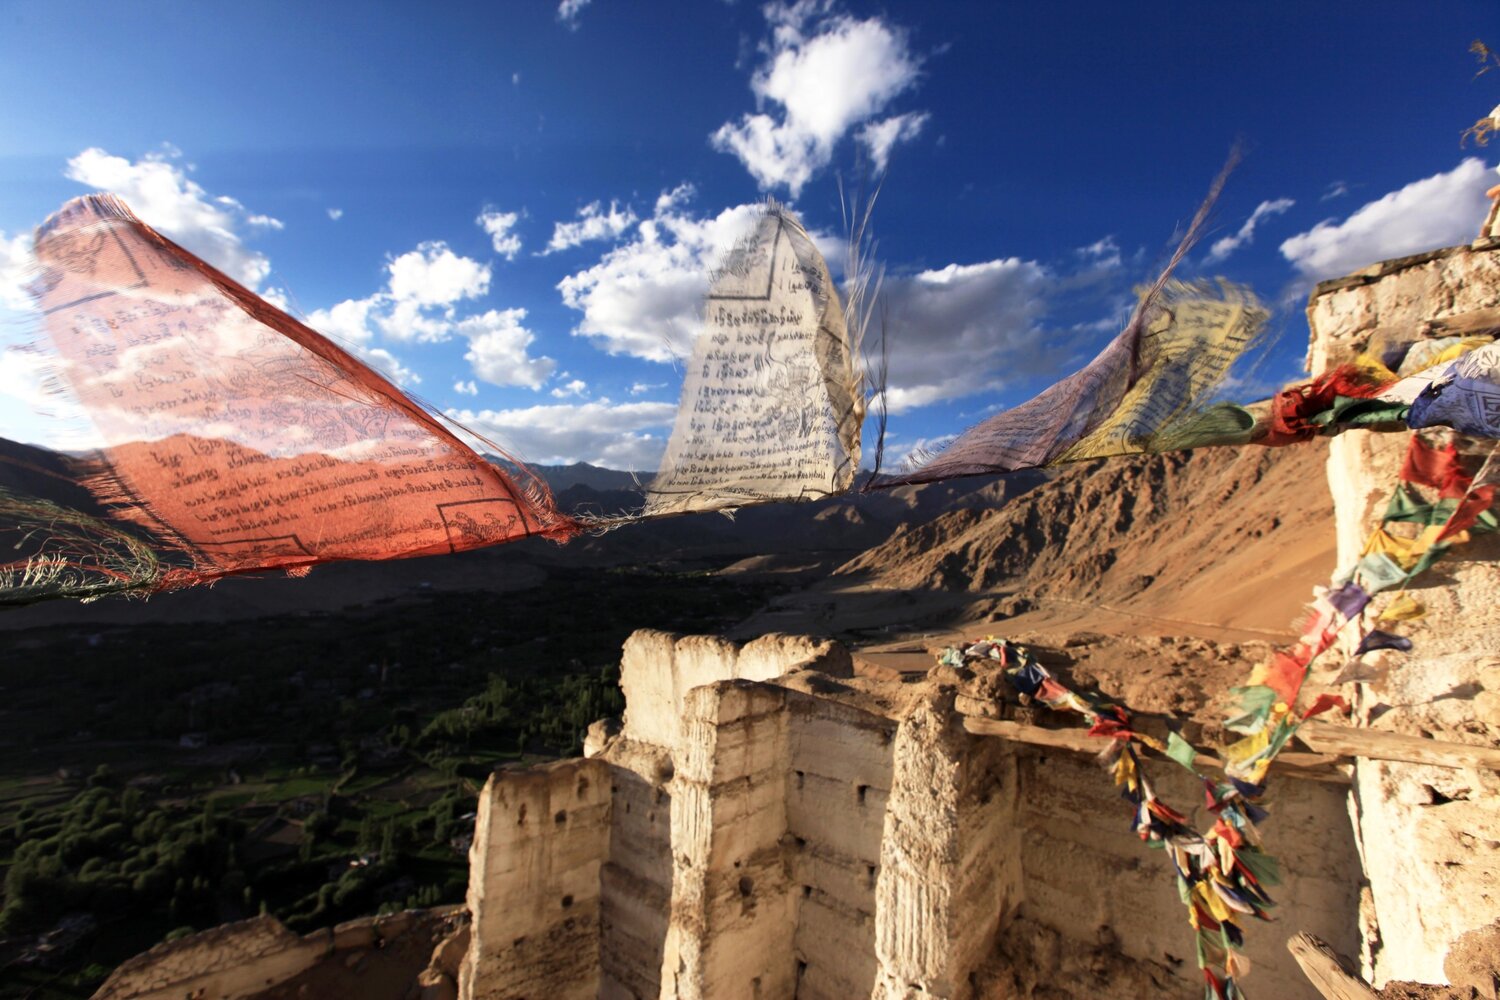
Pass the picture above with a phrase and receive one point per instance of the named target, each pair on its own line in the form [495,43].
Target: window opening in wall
[800,777]
[859,793]
[561,817]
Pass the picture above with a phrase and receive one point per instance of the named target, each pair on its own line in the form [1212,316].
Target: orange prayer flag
[238,437]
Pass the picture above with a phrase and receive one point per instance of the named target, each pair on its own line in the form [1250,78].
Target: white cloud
[1229,244]
[388,365]
[278,298]
[922,449]
[422,287]
[645,297]
[612,435]
[826,73]
[419,305]
[1103,253]
[161,194]
[594,223]
[1335,190]
[1442,210]
[964,328]
[500,225]
[568,12]
[497,349]
[641,388]
[31,413]
[515,79]
[348,321]
[16,262]
[433,275]
[880,137]
[577,387]
[335,214]
[466,388]
[675,198]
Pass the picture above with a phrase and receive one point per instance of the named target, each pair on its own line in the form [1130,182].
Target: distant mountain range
[825,534]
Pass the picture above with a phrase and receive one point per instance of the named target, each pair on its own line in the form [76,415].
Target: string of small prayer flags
[1223,875]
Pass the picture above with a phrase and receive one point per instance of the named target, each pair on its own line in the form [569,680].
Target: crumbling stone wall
[1113,904]
[247,958]
[777,839]
[1429,836]
[841,761]
[540,838]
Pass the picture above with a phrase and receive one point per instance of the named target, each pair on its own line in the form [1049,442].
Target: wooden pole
[1323,737]
[1327,970]
[1326,740]
[1315,767]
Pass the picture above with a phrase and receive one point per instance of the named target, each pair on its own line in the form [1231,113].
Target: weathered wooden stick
[1327,970]
[1321,737]
[1315,767]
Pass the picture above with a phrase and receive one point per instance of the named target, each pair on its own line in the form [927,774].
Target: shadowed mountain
[811,537]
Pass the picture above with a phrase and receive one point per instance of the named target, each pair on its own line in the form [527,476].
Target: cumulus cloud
[433,275]
[419,304]
[823,74]
[335,214]
[593,223]
[501,225]
[348,321]
[577,387]
[964,328]
[466,388]
[613,435]
[568,12]
[1229,244]
[880,137]
[641,388]
[644,298]
[497,349]
[1437,211]
[159,191]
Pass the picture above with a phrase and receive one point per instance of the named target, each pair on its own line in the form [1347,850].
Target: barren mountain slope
[1227,536]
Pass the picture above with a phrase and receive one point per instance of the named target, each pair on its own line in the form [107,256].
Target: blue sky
[511,207]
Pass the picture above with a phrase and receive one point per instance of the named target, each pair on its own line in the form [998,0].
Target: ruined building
[767,824]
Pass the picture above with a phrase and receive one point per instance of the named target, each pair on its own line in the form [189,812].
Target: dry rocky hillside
[1232,537]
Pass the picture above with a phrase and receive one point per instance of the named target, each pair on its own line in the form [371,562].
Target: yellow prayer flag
[1404,608]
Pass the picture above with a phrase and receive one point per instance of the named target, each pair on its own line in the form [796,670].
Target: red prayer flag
[240,438]
[1435,467]
[1285,675]
[1323,703]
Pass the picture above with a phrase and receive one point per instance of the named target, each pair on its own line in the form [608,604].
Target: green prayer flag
[1255,704]
[1264,867]
[1432,555]
[1403,506]
[1377,571]
[1181,750]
